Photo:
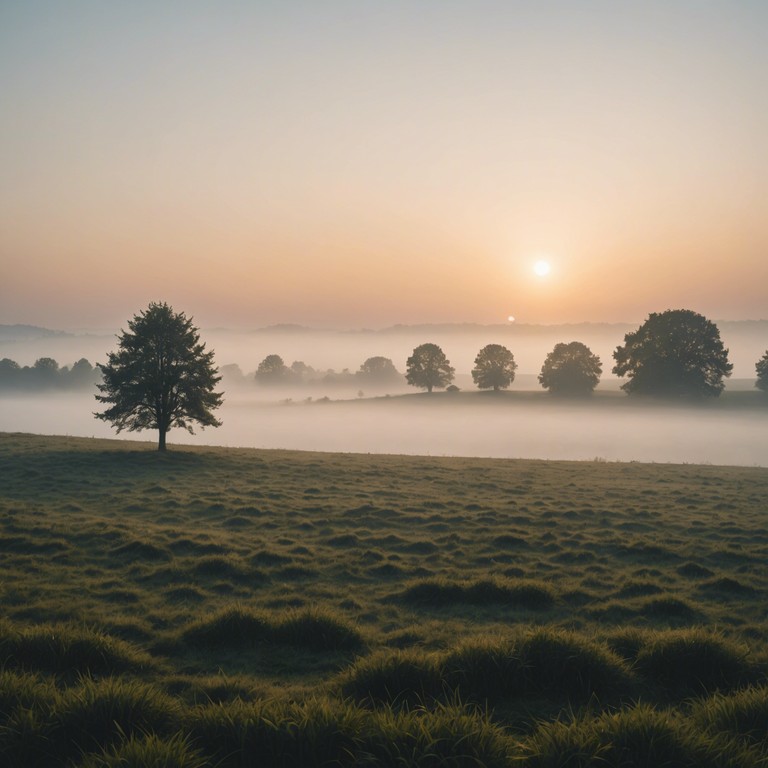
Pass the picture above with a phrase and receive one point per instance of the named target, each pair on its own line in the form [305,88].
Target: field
[237,607]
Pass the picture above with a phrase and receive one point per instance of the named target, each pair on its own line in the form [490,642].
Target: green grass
[232,607]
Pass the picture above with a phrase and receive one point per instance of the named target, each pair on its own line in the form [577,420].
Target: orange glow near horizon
[293,172]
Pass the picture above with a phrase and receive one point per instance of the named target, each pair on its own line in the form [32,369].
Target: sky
[365,163]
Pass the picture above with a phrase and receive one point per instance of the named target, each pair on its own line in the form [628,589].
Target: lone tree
[674,353]
[495,368]
[160,377]
[571,369]
[428,367]
[761,366]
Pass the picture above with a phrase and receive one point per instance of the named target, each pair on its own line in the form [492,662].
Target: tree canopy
[495,368]
[674,353]
[428,367]
[273,371]
[378,370]
[570,369]
[160,376]
[761,366]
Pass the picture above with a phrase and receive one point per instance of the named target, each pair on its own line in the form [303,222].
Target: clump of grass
[28,691]
[97,713]
[532,595]
[148,751]
[141,550]
[323,732]
[566,664]
[544,663]
[667,608]
[221,567]
[393,677]
[694,571]
[444,735]
[238,627]
[694,661]
[727,586]
[742,714]
[233,627]
[484,670]
[318,631]
[26,738]
[69,650]
[637,737]
[627,642]
[318,732]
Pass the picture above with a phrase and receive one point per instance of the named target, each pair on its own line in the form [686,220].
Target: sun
[542,268]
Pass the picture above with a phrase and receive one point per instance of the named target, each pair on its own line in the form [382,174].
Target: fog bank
[608,427]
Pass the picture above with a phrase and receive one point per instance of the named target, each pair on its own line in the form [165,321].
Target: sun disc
[542,268]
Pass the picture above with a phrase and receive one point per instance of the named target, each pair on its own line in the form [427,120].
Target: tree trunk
[161,440]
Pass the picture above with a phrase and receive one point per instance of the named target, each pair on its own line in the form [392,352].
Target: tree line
[161,375]
[46,374]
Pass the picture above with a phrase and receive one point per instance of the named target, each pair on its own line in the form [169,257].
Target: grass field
[237,607]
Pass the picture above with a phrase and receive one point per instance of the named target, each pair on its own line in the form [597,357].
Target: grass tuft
[439,593]
[694,661]
[69,650]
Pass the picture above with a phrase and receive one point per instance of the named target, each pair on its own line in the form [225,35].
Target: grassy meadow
[237,607]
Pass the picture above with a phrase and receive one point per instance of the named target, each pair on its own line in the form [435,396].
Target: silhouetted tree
[301,372]
[44,373]
[761,366]
[273,371]
[673,353]
[160,377]
[81,374]
[379,370]
[495,368]
[570,369]
[10,373]
[428,367]
[232,375]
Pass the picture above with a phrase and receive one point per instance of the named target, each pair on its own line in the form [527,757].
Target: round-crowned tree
[495,368]
[761,366]
[676,353]
[428,367]
[272,371]
[571,369]
[379,370]
[160,377]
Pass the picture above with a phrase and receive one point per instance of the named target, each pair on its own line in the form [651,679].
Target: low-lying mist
[609,426]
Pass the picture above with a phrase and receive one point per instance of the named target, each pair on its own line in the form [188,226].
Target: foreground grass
[220,607]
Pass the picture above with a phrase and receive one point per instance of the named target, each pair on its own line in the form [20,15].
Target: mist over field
[515,425]
[523,422]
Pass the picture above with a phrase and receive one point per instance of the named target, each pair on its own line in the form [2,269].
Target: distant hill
[28,333]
